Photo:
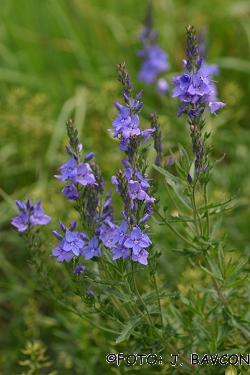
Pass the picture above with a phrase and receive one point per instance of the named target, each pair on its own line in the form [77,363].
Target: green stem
[176,232]
[207,212]
[196,214]
[159,301]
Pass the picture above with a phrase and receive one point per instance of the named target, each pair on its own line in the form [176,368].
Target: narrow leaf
[210,273]
[184,154]
[216,204]
[180,194]
[129,326]
[168,175]
[237,282]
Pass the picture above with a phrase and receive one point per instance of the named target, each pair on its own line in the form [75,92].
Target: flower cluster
[127,121]
[154,58]
[29,215]
[74,244]
[131,183]
[194,87]
[196,90]
[86,189]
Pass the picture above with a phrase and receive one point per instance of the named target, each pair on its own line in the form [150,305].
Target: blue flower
[68,170]
[120,252]
[90,291]
[21,222]
[120,233]
[61,254]
[92,249]
[39,217]
[73,243]
[84,175]
[79,269]
[215,106]
[137,240]
[70,192]
[137,193]
[123,118]
[141,257]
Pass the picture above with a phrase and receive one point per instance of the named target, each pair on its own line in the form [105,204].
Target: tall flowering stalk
[200,234]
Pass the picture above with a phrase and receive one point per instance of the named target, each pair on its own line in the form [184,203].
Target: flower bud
[72,225]
[89,156]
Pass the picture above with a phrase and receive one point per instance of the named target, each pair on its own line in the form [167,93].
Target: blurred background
[57,61]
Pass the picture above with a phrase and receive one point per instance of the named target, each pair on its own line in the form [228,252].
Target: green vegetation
[57,60]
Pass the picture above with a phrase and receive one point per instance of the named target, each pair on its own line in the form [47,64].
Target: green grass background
[57,60]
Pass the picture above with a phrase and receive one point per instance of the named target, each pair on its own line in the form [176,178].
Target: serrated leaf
[216,204]
[212,165]
[129,326]
[236,282]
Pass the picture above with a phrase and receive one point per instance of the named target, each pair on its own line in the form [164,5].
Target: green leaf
[186,252]
[216,227]
[178,167]
[215,268]
[185,200]
[107,282]
[234,272]
[204,269]
[129,326]
[221,258]
[184,155]
[234,283]
[169,176]
[135,271]
[212,165]
[160,296]
[216,204]
[180,219]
